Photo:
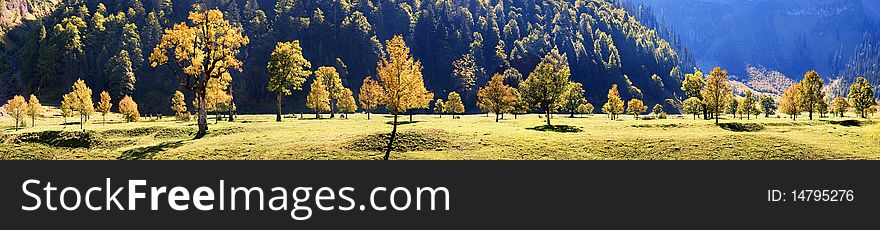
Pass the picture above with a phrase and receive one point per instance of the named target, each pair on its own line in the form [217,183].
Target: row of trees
[712,95]
[77,102]
[19,109]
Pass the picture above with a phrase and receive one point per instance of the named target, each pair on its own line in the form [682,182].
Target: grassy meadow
[429,137]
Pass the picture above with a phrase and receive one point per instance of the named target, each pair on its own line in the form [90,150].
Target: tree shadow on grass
[741,127]
[557,128]
[312,118]
[847,123]
[402,122]
[149,151]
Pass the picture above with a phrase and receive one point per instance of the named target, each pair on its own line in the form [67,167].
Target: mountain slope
[789,36]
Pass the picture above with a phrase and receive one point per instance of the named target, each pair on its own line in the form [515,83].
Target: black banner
[481,194]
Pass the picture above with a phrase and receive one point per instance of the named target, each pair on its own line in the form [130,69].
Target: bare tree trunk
[278,104]
[716,118]
[332,112]
[547,112]
[368,115]
[203,115]
[496,117]
[391,141]
[231,103]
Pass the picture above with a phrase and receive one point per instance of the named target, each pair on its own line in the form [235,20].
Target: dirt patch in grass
[557,128]
[75,139]
[414,140]
[741,127]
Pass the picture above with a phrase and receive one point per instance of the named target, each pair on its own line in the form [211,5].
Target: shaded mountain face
[602,42]
[791,37]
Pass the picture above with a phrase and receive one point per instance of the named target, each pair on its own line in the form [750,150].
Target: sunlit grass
[471,137]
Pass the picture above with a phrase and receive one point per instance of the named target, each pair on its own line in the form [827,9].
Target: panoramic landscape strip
[372,80]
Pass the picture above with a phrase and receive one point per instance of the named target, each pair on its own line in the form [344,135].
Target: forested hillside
[461,43]
[865,62]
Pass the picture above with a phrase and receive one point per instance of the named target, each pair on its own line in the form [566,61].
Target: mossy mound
[741,127]
[416,140]
[71,139]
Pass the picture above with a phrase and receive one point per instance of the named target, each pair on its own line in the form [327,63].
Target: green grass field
[473,137]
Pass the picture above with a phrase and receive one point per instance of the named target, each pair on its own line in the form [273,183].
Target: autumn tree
[741,108]
[288,70]
[178,105]
[840,106]
[790,103]
[128,109]
[614,106]
[693,106]
[318,98]
[400,76]
[346,103]
[370,95]
[81,101]
[67,106]
[34,109]
[811,91]
[205,48]
[749,103]
[822,108]
[453,104]
[861,96]
[496,97]
[574,98]
[332,84]
[693,85]
[658,111]
[732,106]
[439,107]
[586,108]
[768,105]
[217,97]
[546,85]
[521,106]
[636,107]
[718,92]
[17,107]
[104,106]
